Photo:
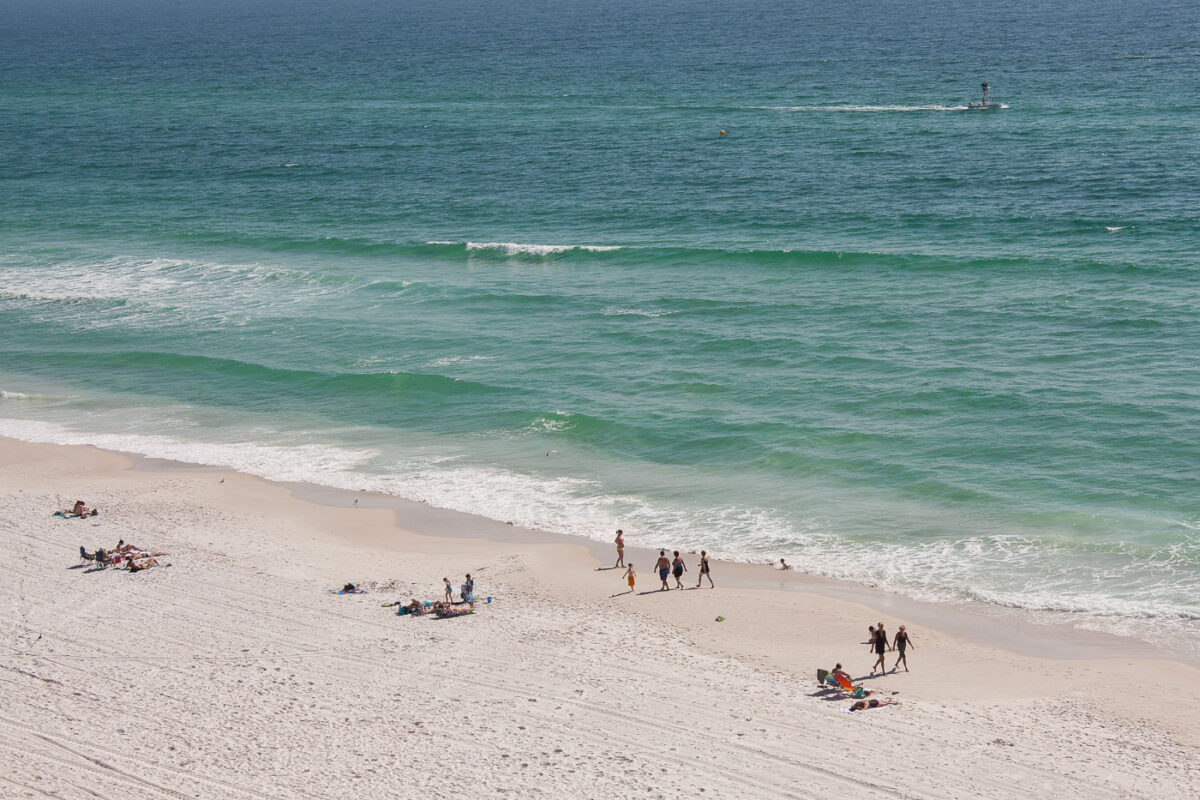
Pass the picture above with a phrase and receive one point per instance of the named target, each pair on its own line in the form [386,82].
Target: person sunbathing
[863,705]
[80,509]
[146,564]
[837,670]
[416,607]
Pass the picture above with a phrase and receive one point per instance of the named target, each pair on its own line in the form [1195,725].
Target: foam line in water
[862,108]
[516,248]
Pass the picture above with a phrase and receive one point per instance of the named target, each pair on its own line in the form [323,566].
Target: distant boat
[986,103]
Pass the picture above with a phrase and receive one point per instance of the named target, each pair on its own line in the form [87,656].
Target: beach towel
[343,591]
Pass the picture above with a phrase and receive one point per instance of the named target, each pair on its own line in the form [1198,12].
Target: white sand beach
[235,673]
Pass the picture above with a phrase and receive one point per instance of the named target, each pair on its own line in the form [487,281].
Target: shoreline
[1131,634]
[1014,629]
[239,657]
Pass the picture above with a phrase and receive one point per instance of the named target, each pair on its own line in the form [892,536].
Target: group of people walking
[877,640]
[665,566]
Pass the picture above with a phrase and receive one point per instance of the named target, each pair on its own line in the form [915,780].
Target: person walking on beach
[881,646]
[870,638]
[704,571]
[449,591]
[663,565]
[620,549]
[678,568]
[631,576]
[900,645]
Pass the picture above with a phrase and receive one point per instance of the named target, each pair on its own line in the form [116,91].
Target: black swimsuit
[678,568]
[704,566]
[901,642]
[880,642]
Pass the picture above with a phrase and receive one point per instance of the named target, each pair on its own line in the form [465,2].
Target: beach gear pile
[842,683]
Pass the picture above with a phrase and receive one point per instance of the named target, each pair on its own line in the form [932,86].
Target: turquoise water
[499,257]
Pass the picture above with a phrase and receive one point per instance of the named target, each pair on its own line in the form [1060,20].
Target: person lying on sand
[416,607]
[146,564]
[863,705]
[80,509]
[132,551]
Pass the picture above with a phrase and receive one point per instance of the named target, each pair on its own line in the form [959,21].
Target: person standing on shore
[900,645]
[631,576]
[468,589]
[704,572]
[620,549]
[449,591]
[881,646]
[663,565]
[678,568]
[870,638]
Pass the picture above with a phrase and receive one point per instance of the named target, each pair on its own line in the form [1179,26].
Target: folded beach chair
[846,686]
[828,679]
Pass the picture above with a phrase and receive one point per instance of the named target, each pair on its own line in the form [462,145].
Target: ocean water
[500,257]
